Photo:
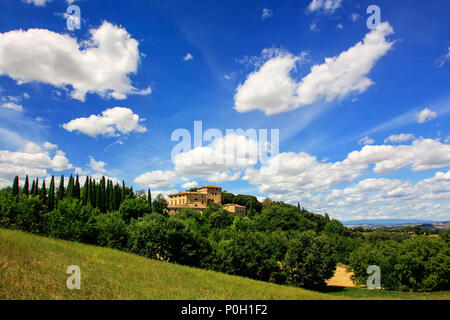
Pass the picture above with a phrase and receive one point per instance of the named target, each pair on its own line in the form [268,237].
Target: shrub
[133,209]
[156,236]
[73,221]
[111,230]
[310,260]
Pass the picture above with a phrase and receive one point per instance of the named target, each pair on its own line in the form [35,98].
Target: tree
[310,260]
[71,188]
[51,195]
[77,190]
[32,188]
[149,199]
[61,191]
[133,209]
[159,204]
[85,192]
[26,186]
[43,193]
[15,188]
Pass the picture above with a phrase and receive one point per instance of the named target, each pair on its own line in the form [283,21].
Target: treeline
[103,195]
[276,242]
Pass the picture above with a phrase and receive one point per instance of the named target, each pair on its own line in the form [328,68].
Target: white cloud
[340,26]
[112,122]
[326,5]
[31,147]
[38,3]
[302,172]
[272,89]
[99,65]
[402,137]
[425,115]
[189,185]
[30,160]
[12,106]
[220,159]
[366,140]
[355,17]
[266,13]
[97,166]
[423,154]
[188,57]
[157,179]
[443,59]
[48,145]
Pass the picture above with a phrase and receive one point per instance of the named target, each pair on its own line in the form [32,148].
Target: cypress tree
[60,191]
[43,193]
[85,192]
[26,186]
[94,193]
[36,188]
[298,206]
[32,188]
[108,196]
[15,187]
[77,188]
[123,195]
[70,188]
[116,197]
[149,199]
[51,195]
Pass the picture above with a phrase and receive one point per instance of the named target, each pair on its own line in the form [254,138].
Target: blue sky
[363,114]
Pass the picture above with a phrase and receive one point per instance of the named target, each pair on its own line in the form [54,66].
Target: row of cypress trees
[103,195]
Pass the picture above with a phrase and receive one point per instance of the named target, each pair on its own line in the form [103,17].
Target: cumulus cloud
[49,146]
[425,115]
[355,17]
[443,59]
[402,137]
[422,154]
[101,64]
[366,140]
[112,123]
[189,185]
[220,159]
[38,3]
[188,57]
[157,179]
[326,5]
[273,90]
[12,106]
[302,171]
[266,13]
[30,159]
[97,166]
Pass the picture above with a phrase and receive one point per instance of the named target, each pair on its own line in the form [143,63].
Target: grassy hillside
[33,267]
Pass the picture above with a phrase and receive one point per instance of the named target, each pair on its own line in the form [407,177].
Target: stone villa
[197,200]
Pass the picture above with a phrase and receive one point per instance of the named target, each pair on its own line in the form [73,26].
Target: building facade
[235,209]
[197,200]
[194,200]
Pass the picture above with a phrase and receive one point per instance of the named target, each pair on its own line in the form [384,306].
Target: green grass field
[33,267]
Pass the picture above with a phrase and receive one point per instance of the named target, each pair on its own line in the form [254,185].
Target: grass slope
[33,267]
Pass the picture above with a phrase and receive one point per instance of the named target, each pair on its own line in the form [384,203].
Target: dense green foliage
[418,264]
[276,242]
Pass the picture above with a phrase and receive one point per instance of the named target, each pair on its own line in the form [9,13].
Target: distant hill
[398,224]
[378,222]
